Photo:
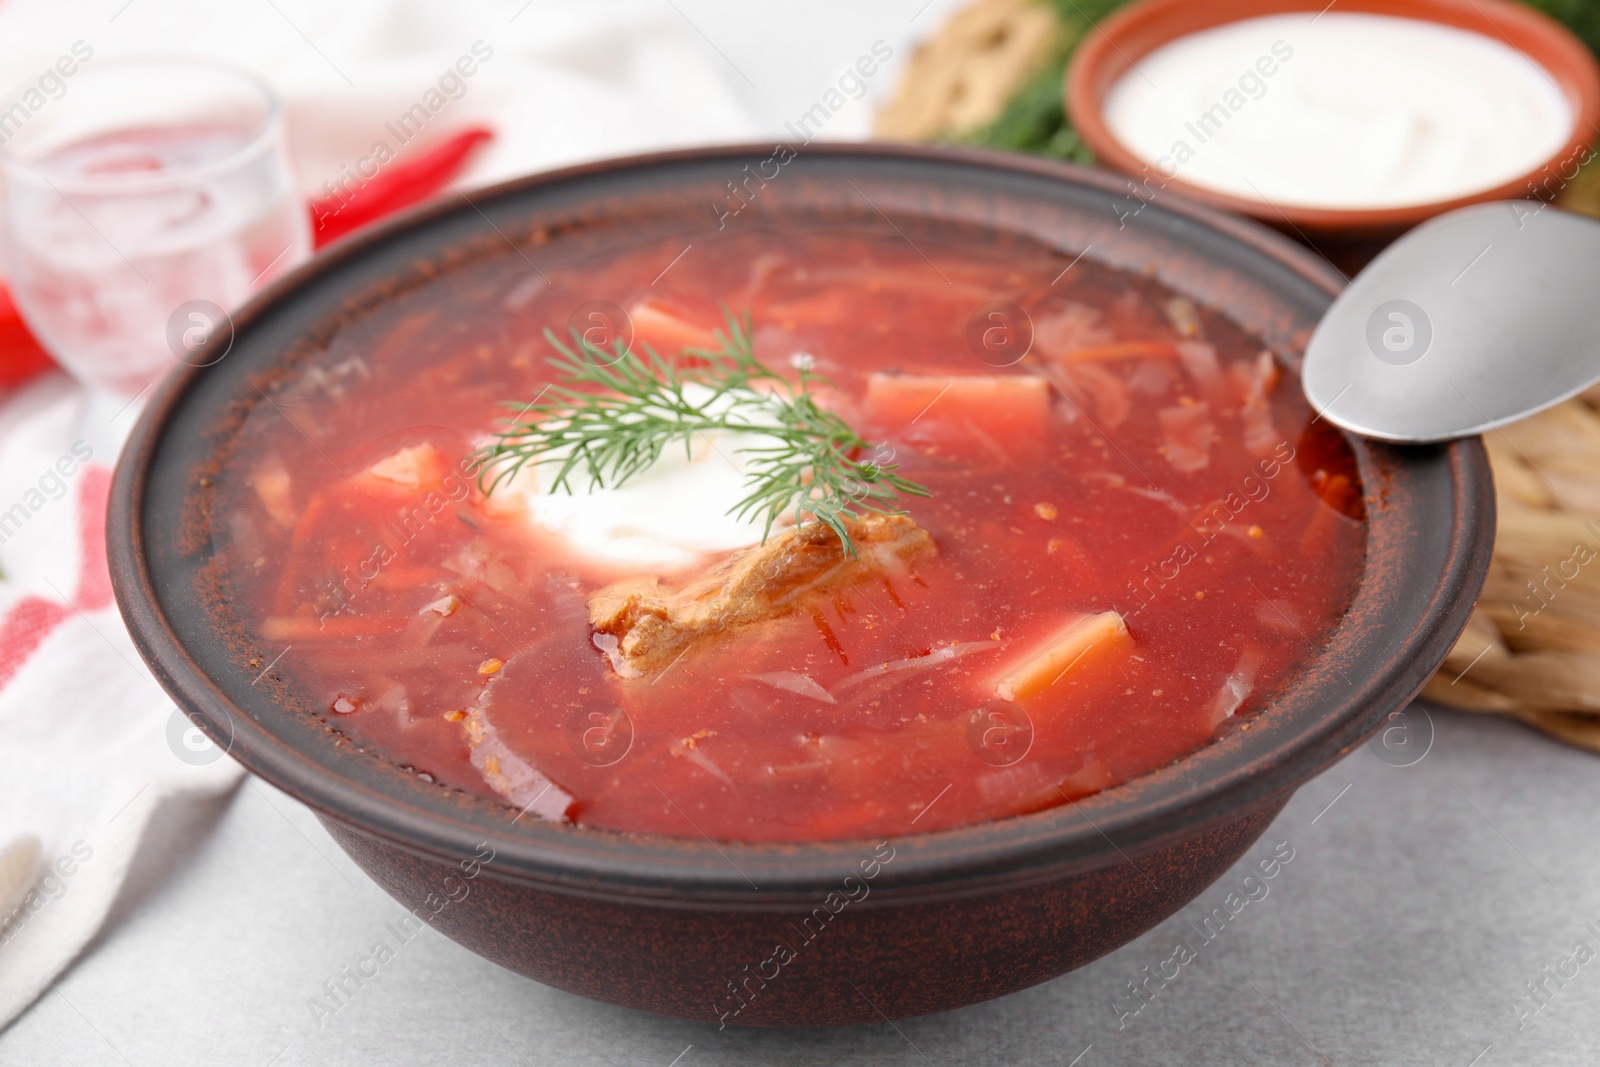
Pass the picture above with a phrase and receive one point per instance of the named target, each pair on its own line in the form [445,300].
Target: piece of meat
[644,627]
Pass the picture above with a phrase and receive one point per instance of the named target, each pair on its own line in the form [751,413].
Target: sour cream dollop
[1341,110]
[664,519]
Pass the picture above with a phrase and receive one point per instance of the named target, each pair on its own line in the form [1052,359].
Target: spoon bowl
[1473,320]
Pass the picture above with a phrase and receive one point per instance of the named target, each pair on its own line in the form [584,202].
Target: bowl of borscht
[779,586]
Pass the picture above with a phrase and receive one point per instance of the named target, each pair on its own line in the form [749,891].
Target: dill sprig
[613,413]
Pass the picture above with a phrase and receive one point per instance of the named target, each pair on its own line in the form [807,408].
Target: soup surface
[1132,534]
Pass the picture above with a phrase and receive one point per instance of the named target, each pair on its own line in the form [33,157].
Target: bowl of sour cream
[1353,121]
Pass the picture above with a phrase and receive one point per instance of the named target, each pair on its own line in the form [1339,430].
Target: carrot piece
[1003,408]
[394,578]
[299,538]
[301,535]
[332,628]
[1044,664]
[665,331]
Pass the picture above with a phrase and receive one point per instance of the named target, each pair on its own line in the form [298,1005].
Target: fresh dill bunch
[613,414]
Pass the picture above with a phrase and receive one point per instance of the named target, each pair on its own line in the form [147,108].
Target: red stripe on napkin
[26,625]
[34,618]
[94,577]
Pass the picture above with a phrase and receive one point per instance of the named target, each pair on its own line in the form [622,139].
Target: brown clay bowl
[1139,29]
[672,925]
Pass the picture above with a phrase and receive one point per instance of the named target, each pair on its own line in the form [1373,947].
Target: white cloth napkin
[90,746]
[91,749]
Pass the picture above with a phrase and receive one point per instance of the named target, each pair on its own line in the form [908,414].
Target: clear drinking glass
[141,204]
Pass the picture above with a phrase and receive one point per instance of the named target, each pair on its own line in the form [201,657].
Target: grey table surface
[1420,903]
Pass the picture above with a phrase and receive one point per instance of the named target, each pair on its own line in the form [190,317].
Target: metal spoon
[1474,319]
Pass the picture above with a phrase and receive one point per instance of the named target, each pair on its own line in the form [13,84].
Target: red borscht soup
[1080,528]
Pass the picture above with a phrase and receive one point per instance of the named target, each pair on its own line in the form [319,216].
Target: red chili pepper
[402,183]
[21,355]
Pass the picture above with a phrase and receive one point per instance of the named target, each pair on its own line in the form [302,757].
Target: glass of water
[141,204]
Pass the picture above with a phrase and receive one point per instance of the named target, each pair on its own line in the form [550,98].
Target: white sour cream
[664,519]
[1342,111]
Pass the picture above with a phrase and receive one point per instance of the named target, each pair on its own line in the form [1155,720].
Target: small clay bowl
[686,927]
[1118,44]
